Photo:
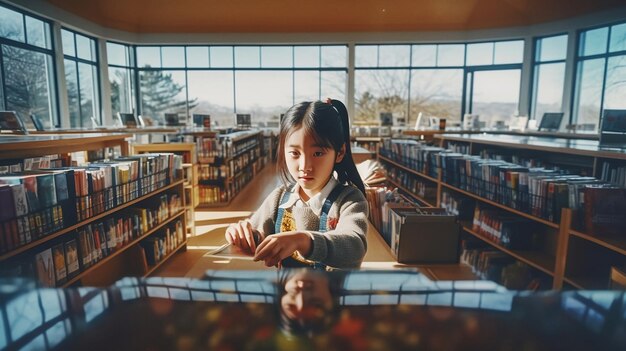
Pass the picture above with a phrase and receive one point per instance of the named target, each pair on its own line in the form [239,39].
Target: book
[45,268]
[71,258]
[58,256]
[229,251]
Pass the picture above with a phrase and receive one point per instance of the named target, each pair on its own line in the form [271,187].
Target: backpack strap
[328,203]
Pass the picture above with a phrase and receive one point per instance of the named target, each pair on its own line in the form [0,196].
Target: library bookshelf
[190,175]
[99,232]
[562,249]
[226,162]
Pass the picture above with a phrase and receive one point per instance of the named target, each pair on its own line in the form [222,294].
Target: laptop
[551,121]
[37,122]
[613,129]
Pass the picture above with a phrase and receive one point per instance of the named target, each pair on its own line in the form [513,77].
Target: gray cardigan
[342,246]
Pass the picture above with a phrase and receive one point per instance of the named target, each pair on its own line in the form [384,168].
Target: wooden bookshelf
[14,148]
[559,264]
[190,171]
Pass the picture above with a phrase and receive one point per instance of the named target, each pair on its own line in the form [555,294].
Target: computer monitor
[386,119]
[202,120]
[613,128]
[37,122]
[9,120]
[129,120]
[551,121]
[244,120]
[171,119]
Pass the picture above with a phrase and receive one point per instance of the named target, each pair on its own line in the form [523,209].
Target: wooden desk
[378,256]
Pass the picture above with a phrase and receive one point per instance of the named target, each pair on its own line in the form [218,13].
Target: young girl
[321,210]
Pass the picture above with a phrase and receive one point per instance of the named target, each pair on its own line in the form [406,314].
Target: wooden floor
[211,224]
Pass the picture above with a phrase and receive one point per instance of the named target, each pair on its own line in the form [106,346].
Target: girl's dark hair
[329,126]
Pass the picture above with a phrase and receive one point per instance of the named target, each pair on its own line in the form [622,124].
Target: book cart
[546,223]
[88,225]
[190,174]
[227,161]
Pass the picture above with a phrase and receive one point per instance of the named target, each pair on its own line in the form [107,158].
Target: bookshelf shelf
[410,193]
[538,260]
[617,244]
[501,206]
[135,241]
[420,174]
[69,229]
[19,147]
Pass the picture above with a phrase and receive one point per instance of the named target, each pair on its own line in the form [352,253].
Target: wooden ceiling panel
[284,16]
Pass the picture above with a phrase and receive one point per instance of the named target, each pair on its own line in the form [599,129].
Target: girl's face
[309,164]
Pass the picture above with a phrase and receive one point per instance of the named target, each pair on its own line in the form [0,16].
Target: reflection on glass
[436,92]
[276,56]
[148,56]
[71,82]
[306,85]
[198,56]
[548,82]
[593,42]
[333,85]
[86,48]
[450,55]
[307,56]
[38,32]
[267,103]
[221,56]
[496,95]
[551,48]
[424,55]
[247,56]
[615,90]
[588,91]
[380,91]
[117,54]
[508,52]
[88,93]
[163,91]
[173,56]
[213,93]
[479,54]
[11,25]
[67,39]
[335,56]
[122,90]
[394,55]
[28,78]
[366,56]
[24,314]
[618,38]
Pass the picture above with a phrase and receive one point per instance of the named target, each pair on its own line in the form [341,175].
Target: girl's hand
[242,235]
[275,248]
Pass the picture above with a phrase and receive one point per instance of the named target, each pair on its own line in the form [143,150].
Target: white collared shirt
[316,202]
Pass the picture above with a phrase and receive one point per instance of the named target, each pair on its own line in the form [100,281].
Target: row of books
[33,163]
[91,243]
[424,189]
[538,191]
[460,206]
[379,198]
[491,264]
[512,232]
[225,146]
[157,246]
[209,195]
[613,174]
[229,168]
[39,202]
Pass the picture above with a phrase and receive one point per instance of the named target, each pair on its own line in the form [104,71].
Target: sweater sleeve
[263,219]
[344,246]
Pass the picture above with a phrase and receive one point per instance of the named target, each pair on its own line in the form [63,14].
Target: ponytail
[346,169]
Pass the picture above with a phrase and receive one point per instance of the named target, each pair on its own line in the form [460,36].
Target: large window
[407,80]
[81,75]
[223,80]
[548,75]
[600,74]
[27,67]
[121,77]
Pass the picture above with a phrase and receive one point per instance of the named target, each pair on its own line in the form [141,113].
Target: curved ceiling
[285,16]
